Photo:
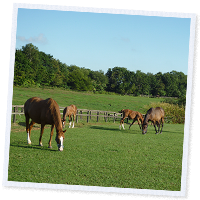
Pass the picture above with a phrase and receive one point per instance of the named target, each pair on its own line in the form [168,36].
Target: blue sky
[99,41]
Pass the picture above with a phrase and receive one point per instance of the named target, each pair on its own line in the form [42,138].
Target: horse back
[74,108]
[160,112]
[157,114]
[69,110]
[42,111]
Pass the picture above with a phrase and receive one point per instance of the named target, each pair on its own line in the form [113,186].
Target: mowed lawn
[99,154]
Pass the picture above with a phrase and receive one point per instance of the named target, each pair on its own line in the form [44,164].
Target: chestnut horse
[44,112]
[156,116]
[131,115]
[69,111]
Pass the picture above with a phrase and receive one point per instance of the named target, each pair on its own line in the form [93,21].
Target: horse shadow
[111,129]
[37,147]
[22,124]
[104,128]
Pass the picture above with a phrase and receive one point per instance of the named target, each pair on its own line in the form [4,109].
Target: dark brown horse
[44,112]
[131,115]
[156,116]
[69,111]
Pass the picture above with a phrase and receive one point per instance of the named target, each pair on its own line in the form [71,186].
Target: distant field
[84,100]
[100,155]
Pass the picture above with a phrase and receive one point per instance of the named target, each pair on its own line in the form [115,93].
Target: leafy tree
[78,79]
[33,67]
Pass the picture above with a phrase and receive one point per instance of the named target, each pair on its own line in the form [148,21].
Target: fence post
[77,116]
[114,118]
[106,118]
[97,116]
[81,112]
[14,115]
[88,116]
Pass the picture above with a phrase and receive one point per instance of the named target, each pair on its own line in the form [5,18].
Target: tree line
[36,68]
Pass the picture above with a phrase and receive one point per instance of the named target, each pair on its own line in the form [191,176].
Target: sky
[99,41]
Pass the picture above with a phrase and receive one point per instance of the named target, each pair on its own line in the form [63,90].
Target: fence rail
[19,110]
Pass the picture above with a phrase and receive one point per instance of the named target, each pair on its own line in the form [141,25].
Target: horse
[44,112]
[131,115]
[69,111]
[156,116]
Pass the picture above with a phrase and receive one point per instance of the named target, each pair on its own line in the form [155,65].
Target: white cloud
[37,39]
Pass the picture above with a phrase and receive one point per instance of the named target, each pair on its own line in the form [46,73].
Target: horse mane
[64,113]
[146,118]
[55,112]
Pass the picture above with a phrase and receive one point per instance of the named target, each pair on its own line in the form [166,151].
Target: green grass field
[97,154]
[84,100]
[100,155]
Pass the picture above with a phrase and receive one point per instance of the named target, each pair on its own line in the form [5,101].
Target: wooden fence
[107,115]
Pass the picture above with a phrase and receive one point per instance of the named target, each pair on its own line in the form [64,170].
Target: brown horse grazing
[131,115]
[44,112]
[156,116]
[69,111]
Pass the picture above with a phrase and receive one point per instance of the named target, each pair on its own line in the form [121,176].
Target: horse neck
[64,114]
[57,122]
[146,119]
[57,118]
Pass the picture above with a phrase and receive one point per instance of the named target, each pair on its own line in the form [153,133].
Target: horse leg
[132,123]
[139,123]
[74,116]
[51,134]
[154,123]
[70,121]
[41,133]
[30,127]
[158,124]
[27,130]
[162,120]
[122,123]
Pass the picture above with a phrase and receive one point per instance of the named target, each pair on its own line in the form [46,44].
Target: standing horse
[69,111]
[131,115]
[44,112]
[156,116]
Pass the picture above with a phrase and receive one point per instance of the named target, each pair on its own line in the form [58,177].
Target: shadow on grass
[105,128]
[32,147]
[22,124]
[113,129]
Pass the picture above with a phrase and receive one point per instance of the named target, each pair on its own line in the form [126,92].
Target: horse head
[63,122]
[144,128]
[59,139]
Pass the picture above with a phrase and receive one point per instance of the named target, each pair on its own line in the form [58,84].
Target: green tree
[78,79]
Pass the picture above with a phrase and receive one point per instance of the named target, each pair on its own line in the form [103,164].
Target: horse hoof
[41,145]
[50,147]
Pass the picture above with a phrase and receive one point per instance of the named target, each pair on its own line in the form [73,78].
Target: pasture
[84,100]
[97,154]
[100,155]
